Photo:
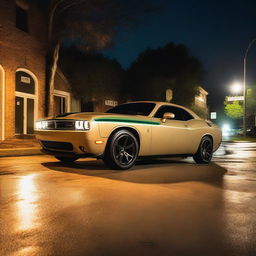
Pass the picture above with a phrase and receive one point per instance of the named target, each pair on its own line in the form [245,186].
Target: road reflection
[27,199]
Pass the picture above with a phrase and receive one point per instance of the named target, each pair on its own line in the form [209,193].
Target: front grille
[61,125]
[50,125]
[56,145]
[69,125]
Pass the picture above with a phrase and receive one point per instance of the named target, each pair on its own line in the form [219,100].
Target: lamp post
[244,89]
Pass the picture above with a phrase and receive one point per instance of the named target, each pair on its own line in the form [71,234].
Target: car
[128,131]
[251,131]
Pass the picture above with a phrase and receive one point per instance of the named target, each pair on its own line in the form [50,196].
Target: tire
[65,159]
[204,152]
[122,150]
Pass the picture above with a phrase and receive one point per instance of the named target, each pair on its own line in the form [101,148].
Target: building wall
[21,50]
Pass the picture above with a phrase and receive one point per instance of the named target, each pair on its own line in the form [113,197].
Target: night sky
[216,32]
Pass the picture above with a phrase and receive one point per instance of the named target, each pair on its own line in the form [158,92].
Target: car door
[172,136]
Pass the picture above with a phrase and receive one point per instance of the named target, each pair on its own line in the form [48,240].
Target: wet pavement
[160,207]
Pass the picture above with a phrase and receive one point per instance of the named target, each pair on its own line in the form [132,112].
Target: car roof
[160,103]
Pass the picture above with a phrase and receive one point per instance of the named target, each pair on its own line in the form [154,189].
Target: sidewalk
[19,147]
[239,139]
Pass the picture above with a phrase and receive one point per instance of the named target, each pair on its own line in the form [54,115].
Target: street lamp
[244,89]
[236,87]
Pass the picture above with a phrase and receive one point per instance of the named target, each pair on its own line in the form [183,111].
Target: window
[186,115]
[176,111]
[61,102]
[59,105]
[143,109]
[25,82]
[21,18]
[180,114]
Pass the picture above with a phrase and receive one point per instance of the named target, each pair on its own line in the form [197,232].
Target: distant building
[201,98]
[200,103]
[23,33]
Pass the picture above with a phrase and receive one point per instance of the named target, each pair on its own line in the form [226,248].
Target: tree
[234,110]
[93,75]
[89,24]
[168,67]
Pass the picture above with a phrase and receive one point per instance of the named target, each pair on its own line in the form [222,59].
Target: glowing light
[226,130]
[82,125]
[236,87]
[99,142]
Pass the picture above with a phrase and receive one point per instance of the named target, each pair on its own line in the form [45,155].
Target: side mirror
[167,115]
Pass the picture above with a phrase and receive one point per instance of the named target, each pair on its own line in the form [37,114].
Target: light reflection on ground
[27,202]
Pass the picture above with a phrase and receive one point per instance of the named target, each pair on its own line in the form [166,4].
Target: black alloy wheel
[122,150]
[204,152]
[65,159]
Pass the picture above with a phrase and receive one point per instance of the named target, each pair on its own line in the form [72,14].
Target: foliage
[170,66]
[92,24]
[91,74]
[234,110]
[88,24]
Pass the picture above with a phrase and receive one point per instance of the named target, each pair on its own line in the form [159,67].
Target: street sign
[25,80]
[111,103]
[213,115]
[235,98]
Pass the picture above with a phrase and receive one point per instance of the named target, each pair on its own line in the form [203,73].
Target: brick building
[23,30]
[200,105]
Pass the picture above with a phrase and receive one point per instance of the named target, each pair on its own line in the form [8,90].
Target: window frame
[66,96]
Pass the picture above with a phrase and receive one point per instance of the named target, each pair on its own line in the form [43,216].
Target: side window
[21,18]
[186,115]
[176,111]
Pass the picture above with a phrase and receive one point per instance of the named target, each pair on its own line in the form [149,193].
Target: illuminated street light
[236,88]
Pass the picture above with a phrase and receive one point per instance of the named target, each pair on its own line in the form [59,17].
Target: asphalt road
[160,207]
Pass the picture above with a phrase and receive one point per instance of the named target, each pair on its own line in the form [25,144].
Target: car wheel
[121,151]
[204,152]
[65,159]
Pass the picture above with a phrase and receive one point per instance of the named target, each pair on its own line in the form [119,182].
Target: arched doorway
[2,91]
[25,101]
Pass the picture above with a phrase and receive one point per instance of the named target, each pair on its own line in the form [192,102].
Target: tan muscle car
[129,131]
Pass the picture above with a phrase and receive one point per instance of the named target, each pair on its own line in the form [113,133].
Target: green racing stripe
[125,120]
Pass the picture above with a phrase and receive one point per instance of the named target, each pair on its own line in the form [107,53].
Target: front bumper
[68,154]
[71,142]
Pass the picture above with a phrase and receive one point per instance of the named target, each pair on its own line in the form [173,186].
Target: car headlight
[41,125]
[79,125]
[82,125]
[38,125]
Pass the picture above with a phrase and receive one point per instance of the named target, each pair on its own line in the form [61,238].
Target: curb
[6,152]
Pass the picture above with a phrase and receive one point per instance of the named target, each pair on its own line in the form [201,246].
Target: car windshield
[143,109]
